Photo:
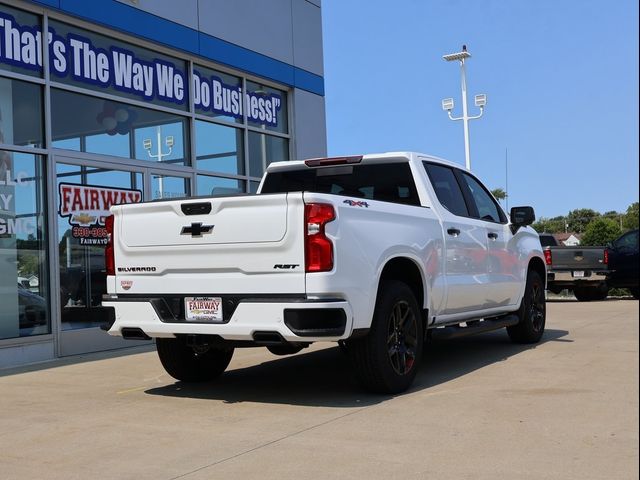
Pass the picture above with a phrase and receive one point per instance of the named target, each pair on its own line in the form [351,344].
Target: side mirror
[521,217]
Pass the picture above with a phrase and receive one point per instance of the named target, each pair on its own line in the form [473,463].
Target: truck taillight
[605,260]
[109,257]
[318,249]
[547,257]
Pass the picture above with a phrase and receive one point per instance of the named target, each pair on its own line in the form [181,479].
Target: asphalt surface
[481,408]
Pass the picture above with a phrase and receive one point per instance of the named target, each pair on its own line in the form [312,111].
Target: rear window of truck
[391,182]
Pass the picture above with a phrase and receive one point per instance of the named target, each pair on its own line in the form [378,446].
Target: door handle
[492,235]
[454,232]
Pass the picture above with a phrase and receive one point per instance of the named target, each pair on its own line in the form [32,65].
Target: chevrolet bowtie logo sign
[196,229]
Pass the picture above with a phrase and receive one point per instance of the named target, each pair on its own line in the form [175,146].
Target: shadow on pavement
[325,378]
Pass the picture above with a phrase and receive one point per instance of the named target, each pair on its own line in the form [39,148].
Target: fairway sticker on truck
[86,207]
[203,309]
[356,203]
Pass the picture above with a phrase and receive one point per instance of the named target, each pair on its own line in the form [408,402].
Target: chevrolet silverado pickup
[582,270]
[377,252]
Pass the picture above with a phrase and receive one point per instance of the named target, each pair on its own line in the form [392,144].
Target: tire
[589,294]
[282,350]
[532,312]
[386,360]
[190,364]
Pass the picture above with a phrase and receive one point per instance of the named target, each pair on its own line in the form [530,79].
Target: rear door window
[447,188]
[389,182]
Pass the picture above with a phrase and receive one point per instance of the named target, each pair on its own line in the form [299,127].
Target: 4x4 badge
[196,229]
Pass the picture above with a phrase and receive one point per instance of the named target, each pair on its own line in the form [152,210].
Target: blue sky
[561,79]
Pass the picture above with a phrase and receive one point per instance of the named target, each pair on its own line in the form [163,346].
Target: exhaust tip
[129,333]
[268,338]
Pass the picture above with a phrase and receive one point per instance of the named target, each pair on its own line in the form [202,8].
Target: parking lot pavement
[480,408]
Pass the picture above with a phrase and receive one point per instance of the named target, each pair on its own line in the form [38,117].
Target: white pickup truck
[377,252]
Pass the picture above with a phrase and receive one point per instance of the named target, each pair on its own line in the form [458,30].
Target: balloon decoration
[116,118]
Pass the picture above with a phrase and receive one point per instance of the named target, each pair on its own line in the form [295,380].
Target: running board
[456,331]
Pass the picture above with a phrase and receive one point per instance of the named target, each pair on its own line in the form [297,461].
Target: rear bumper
[295,321]
[566,278]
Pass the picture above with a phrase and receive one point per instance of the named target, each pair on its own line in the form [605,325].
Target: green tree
[600,232]
[580,218]
[549,225]
[499,193]
[630,219]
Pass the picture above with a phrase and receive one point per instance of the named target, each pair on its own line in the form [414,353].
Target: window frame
[469,201]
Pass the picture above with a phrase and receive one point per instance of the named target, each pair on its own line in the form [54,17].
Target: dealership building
[117,101]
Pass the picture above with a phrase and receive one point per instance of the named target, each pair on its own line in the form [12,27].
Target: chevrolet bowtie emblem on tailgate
[196,229]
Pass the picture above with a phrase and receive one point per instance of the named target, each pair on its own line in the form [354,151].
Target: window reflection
[219,186]
[117,129]
[24,306]
[203,95]
[163,186]
[19,18]
[81,237]
[281,117]
[21,113]
[161,143]
[219,148]
[265,149]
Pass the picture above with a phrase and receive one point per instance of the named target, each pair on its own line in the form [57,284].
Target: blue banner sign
[120,69]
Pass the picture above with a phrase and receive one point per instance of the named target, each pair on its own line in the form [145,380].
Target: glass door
[85,191]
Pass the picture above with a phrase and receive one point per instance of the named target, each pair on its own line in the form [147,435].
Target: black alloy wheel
[402,341]
[532,312]
[537,307]
[386,360]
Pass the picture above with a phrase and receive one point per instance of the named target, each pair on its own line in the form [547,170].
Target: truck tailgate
[577,258]
[239,246]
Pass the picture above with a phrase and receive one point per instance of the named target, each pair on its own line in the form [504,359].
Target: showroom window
[21,113]
[265,149]
[21,32]
[211,94]
[275,100]
[24,305]
[208,185]
[219,148]
[89,60]
[118,129]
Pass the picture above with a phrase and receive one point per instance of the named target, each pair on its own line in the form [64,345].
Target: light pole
[480,101]
[159,155]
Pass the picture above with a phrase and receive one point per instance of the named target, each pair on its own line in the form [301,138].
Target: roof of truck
[370,157]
